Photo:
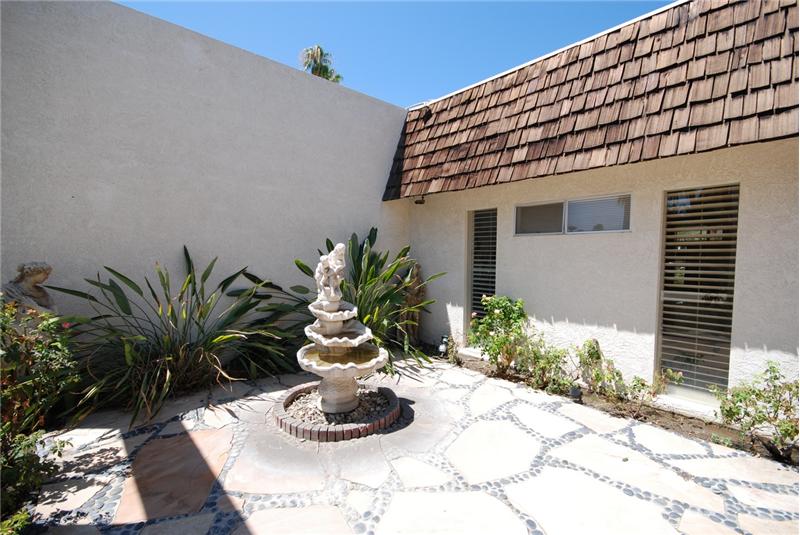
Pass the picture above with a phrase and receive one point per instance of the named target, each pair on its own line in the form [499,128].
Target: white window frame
[565,215]
[543,203]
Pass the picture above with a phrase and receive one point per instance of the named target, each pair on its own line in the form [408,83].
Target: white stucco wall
[606,285]
[125,137]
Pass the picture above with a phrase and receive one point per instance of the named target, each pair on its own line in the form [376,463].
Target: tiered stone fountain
[341,352]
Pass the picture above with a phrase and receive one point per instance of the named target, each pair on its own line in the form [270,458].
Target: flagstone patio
[471,455]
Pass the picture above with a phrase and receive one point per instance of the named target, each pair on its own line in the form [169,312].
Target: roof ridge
[550,54]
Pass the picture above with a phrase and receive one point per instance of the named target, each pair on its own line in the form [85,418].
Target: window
[540,219]
[697,286]
[602,214]
[598,215]
[484,257]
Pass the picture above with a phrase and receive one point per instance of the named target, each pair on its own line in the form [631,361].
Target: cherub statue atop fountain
[328,276]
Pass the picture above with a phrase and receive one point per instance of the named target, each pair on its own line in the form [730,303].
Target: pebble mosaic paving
[470,454]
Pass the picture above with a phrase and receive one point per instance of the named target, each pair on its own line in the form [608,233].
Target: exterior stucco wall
[606,285]
[125,137]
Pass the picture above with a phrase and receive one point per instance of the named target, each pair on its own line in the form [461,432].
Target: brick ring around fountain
[340,353]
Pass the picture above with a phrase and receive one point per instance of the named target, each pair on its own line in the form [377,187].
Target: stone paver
[317,520]
[487,397]
[416,473]
[463,513]
[159,482]
[545,423]
[693,523]
[660,441]
[191,524]
[270,463]
[629,466]
[755,497]
[594,419]
[362,461]
[566,502]
[491,450]
[753,469]
[761,526]
[66,495]
[456,377]
[470,454]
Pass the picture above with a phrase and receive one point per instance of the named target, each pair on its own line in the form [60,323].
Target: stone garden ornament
[25,289]
[341,351]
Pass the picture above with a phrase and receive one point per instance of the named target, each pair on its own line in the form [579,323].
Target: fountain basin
[339,370]
[345,312]
[350,334]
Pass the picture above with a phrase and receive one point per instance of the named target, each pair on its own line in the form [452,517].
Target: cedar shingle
[725,40]
[711,137]
[771,48]
[721,20]
[759,76]
[696,77]
[658,123]
[686,142]
[720,86]
[696,69]
[669,145]
[717,64]
[738,81]
[779,125]
[765,100]
[745,11]
[786,96]
[744,131]
[781,70]
[705,46]
[772,24]
[675,96]
[701,90]
[733,107]
[708,113]
[650,149]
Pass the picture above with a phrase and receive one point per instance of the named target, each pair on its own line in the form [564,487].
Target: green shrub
[22,469]
[603,378]
[501,331]
[378,288]
[598,372]
[639,392]
[36,372]
[37,368]
[451,351]
[764,410]
[15,523]
[142,347]
[543,365]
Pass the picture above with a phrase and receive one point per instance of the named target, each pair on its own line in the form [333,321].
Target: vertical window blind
[484,257]
[698,279]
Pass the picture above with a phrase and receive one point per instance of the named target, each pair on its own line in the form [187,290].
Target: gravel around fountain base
[298,414]
[372,405]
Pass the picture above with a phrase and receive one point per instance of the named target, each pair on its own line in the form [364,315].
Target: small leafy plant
[639,392]
[501,331]
[142,345]
[764,410]
[37,367]
[36,372]
[378,287]
[599,372]
[543,365]
[451,350]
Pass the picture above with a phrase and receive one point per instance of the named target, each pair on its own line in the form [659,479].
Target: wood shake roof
[697,76]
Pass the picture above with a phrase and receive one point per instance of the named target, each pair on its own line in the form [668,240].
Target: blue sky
[402,52]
